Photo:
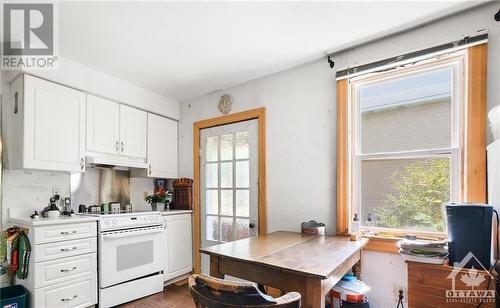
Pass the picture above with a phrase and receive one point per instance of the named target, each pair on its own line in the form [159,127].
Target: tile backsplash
[31,189]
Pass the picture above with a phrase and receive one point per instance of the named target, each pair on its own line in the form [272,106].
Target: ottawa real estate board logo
[470,285]
[29,36]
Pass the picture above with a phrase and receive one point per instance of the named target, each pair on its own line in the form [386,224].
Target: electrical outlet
[395,289]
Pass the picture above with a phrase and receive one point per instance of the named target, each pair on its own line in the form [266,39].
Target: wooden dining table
[289,261]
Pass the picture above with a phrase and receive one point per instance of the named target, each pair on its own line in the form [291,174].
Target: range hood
[113,163]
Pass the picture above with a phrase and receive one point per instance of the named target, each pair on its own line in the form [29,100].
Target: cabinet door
[103,125]
[179,247]
[133,130]
[162,147]
[54,126]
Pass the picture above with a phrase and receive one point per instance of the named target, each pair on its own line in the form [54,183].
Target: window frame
[469,151]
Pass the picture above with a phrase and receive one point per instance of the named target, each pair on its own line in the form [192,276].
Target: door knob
[251,225]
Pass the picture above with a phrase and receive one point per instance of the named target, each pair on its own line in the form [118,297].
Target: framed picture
[160,183]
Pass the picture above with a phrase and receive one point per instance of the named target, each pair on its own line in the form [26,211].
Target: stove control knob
[106,221]
[150,218]
[114,221]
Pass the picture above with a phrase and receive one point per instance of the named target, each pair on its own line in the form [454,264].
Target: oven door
[129,254]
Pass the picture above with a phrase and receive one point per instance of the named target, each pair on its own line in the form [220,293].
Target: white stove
[130,256]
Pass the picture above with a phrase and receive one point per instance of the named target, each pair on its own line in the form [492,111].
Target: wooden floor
[172,297]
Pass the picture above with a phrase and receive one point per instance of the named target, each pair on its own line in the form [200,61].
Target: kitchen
[167,140]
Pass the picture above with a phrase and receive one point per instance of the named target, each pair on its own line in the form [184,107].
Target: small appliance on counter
[469,231]
[52,211]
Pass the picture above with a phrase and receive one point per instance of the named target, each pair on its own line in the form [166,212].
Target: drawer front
[51,251]
[51,272]
[49,234]
[78,293]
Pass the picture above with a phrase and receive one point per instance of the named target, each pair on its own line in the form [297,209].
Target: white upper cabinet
[47,126]
[133,131]
[162,147]
[103,125]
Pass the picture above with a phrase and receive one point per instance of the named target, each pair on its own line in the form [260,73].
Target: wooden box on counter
[183,194]
[428,285]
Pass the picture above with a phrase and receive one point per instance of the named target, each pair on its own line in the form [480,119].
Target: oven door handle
[121,234]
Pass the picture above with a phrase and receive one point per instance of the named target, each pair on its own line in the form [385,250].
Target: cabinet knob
[82,163]
[117,146]
[16,102]
[123,146]
[149,169]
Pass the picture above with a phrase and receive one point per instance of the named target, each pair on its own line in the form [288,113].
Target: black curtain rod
[415,54]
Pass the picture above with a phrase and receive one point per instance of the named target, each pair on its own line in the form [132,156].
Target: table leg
[214,268]
[356,269]
[315,293]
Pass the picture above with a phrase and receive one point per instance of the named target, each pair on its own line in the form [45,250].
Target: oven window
[133,255]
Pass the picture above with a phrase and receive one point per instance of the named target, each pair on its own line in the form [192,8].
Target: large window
[404,145]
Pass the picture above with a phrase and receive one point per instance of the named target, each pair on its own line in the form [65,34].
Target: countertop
[175,212]
[27,221]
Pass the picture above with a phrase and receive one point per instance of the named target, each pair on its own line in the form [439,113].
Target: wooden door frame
[260,115]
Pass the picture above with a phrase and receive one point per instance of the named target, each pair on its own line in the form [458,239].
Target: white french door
[228,178]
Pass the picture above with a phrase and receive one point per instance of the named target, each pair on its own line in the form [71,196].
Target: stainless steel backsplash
[97,186]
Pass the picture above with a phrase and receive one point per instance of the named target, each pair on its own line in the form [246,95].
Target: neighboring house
[417,115]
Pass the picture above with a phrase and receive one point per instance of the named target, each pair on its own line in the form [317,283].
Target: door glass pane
[242,228]
[212,202]
[212,146]
[405,193]
[226,147]
[242,174]
[211,178]
[407,113]
[242,203]
[226,229]
[226,175]
[242,145]
[212,228]
[226,202]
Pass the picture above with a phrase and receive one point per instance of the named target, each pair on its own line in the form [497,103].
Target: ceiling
[185,49]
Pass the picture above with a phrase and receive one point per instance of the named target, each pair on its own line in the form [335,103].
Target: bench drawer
[78,293]
[51,251]
[57,233]
[51,272]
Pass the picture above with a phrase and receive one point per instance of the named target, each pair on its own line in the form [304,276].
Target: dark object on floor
[469,234]
[14,296]
[213,292]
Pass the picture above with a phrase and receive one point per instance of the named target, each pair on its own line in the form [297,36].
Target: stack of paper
[424,251]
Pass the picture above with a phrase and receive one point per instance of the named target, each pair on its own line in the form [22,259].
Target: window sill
[388,243]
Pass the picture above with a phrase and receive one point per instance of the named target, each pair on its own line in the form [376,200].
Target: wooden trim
[474,159]
[388,245]
[342,158]
[260,115]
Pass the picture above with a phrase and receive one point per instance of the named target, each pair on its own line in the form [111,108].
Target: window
[404,145]
[410,138]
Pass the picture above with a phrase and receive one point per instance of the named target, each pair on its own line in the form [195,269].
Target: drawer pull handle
[67,233]
[69,249]
[66,270]
[69,298]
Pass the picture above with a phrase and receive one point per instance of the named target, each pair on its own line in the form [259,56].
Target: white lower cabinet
[179,246]
[63,269]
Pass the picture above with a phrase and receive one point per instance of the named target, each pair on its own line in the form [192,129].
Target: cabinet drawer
[51,251]
[79,293]
[58,233]
[51,272]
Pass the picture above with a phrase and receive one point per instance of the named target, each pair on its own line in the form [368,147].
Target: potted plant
[159,197]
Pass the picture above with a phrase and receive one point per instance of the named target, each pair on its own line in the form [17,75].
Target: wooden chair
[210,292]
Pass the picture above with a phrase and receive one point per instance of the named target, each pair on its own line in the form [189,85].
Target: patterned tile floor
[172,297]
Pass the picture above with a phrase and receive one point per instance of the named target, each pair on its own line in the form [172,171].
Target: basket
[13,297]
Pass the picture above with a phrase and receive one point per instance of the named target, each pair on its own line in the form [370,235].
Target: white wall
[301,132]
